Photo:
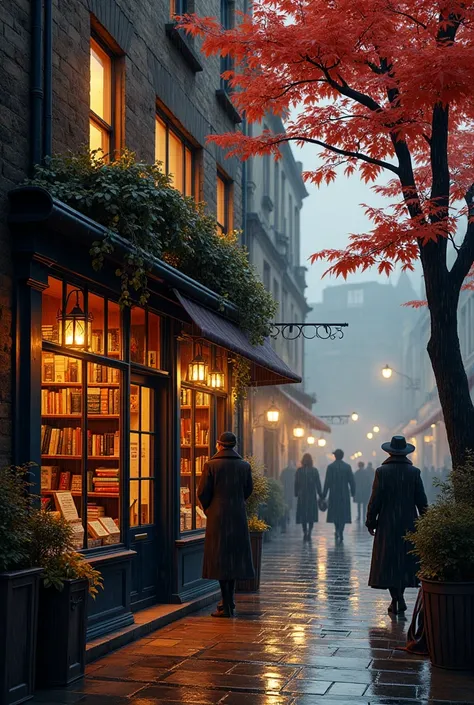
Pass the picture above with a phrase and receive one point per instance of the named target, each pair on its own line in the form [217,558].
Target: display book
[62,394]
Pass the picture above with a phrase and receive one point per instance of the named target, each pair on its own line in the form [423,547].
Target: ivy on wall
[136,201]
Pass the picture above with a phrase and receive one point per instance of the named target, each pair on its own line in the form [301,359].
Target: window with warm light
[176,157]
[101,110]
[178,7]
[224,206]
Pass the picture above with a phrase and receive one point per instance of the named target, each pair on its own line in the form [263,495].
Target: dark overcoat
[307,490]
[340,485]
[363,482]
[226,482]
[398,497]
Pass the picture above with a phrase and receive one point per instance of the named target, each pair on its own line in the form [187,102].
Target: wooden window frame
[226,227]
[187,145]
[115,129]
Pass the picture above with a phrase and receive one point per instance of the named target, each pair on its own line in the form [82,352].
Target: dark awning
[303,414]
[267,367]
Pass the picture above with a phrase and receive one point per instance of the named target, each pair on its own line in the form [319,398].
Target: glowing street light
[370,435]
[387,372]
[376,429]
[321,442]
[298,431]
[311,440]
[355,416]
[273,414]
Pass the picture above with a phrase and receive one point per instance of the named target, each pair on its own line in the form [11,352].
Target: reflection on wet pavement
[315,635]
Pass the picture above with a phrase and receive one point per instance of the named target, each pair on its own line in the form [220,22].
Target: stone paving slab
[314,635]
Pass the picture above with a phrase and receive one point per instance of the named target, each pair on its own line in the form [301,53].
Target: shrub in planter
[275,504]
[444,544]
[257,526]
[62,621]
[19,583]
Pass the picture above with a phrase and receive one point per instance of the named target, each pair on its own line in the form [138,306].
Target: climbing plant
[136,201]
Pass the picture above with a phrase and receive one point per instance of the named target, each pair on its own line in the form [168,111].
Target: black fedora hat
[228,440]
[398,446]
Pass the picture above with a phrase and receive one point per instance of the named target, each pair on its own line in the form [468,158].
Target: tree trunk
[451,379]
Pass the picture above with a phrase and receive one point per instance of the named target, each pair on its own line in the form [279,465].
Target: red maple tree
[380,86]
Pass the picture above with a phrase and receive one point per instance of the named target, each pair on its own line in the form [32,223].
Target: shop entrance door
[147,398]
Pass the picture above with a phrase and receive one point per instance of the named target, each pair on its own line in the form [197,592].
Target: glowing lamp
[273,414]
[298,431]
[376,429]
[76,324]
[321,442]
[216,378]
[355,416]
[311,440]
[428,439]
[197,369]
[433,425]
[370,435]
[387,372]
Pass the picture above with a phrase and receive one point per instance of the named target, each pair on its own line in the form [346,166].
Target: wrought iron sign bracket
[323,331]
[337,420]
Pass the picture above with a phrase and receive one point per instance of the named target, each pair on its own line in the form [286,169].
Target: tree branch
[343,88]
[465,258]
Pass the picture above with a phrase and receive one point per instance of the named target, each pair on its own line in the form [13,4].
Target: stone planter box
[253,585]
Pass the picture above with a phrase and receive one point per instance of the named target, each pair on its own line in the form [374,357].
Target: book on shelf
[93,400]
[201,460]
[50,333]
[186,396]
[77,538]
[95,511]
[49,477]
[61,401]
[113,340]
[97,342]
[76,483]
[103,444]
[60,368]
[61,441]
[102,374]
[64,480]
[202,399]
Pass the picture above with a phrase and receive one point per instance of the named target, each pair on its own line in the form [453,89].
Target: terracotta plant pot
[449,623]
[253,585]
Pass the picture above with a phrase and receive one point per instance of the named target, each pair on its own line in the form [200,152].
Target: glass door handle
[141,537]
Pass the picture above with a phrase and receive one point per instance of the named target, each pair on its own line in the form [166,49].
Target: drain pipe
[48,80]
[36,90]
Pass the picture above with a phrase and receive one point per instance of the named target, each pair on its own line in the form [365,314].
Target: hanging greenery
[241,379]
[136,201]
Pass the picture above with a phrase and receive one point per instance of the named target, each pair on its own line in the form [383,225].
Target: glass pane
[96,311]
[98,138]
[137,335]
[52,301]
[134,459]
[186,354]
[202,416]
[134,486]
[146,505]
[100,84]
[72,321]
[189,172]
[114,333]
[221,197]
[134,407]
[154,339]
[175,155]
[186,460]
[147,409]
[103,455]
[160,143]
[147,456]
[61,440]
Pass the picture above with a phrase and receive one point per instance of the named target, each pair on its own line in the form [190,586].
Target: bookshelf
[195,434]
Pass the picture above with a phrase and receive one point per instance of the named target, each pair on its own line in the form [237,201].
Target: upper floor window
[266,275]
[224,206]
[178,7]
[276,198]
[355,297]
[176,156]
[101,112]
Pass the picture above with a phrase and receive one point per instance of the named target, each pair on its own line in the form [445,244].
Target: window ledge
[182,43]
[267,203]
[225,101]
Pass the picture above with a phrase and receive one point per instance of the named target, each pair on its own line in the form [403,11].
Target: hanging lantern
[273,414]
[76,324]
[321,442]
[355,416]
[298,431]
[311,440]
[197,369]
[387,372]
[216,378]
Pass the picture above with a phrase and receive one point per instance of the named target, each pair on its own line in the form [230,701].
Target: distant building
[346,374]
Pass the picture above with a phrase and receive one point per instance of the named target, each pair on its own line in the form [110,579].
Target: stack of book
[201,460]
[106,481]
[186,397]
[202,434]
[102,374]
[58,368]
[61,401]
[50,333]
[94,511]
[61,441]
[185,466]
[103,443]
[103,400]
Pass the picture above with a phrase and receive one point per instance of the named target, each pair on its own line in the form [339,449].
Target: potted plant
[19,583]
[67,580]
[274,508]
[444,544]
[257,526]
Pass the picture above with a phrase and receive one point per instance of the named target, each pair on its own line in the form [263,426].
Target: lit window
[224,206]
[355,297]
[175,156]
[100,99]
[178,7]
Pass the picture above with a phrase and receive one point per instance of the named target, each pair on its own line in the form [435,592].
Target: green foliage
[444,536]
[70,565]
[242,379]
[136,201]
[259,495]
[275,504]
[15,507]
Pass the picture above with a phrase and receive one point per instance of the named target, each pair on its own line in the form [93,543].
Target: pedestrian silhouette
[398,497]
[307,491]
[226,482]
[340,484]
[363,483]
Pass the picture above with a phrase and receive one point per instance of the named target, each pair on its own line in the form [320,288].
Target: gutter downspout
[48,80]
[36,90]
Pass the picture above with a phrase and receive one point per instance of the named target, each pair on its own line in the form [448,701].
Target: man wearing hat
[398,497]
[225,485]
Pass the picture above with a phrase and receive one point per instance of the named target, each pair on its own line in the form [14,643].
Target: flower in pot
[19,584]
[67,580]
[444,544]
[257,526]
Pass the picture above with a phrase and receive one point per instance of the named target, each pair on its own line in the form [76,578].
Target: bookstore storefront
[120,409]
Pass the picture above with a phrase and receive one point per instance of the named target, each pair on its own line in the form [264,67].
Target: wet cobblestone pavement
[315,635]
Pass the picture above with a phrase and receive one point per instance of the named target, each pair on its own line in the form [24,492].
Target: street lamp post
[412,384]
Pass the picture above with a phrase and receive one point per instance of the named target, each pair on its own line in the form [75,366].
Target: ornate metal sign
[324,331]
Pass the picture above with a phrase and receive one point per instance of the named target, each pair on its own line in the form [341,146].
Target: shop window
[145,338]
[224,205]
[101,109]
[80,446]
[178,7]
[176,157]
[142,442]
[203,418]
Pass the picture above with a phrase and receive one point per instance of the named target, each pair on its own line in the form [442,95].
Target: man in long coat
[398,497]
[225,485]
[341,486]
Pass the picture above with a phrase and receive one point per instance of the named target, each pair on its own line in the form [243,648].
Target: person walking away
[307,492]
[341,486]
[363,484]
[398,497]
[225,485]
[287,481]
